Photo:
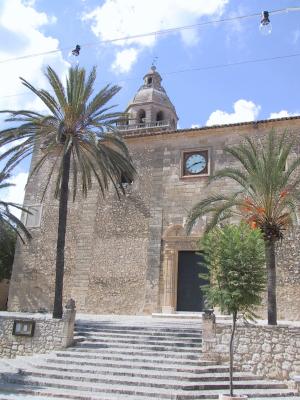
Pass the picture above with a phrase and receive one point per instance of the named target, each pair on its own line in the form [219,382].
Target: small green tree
[235,260]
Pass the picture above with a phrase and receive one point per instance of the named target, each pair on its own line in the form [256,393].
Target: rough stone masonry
[269,351]
[122,255]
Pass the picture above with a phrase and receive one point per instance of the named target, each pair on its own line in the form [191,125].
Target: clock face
[195,163]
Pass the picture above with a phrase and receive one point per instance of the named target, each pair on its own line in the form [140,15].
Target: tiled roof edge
[201,128]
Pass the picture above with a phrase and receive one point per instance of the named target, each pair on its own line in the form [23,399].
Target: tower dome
[151,107]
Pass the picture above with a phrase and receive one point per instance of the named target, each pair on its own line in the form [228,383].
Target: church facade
[132,256]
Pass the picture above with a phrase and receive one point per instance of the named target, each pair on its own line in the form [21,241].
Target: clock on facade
[195,163]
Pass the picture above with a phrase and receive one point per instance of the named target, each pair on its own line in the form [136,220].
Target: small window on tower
[33,216]
[142,116]
[159,116]
[149,81]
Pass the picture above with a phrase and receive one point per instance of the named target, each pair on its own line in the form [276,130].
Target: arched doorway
[181,283]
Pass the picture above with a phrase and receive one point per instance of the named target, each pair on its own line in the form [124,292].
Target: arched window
[141,117]
[149,81]
[159,116]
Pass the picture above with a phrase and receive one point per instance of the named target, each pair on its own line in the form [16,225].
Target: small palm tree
[8,221]
[78,136]
[267,197]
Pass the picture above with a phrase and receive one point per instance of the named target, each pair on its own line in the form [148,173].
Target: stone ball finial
[71,305]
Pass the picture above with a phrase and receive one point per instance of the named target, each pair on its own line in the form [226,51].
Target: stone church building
[132,256]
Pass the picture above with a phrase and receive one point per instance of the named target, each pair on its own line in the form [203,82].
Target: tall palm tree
[266,197]
[79,134]
[8,221]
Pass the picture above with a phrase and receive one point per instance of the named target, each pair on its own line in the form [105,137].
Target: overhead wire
[195,69]
[154,33]
[166,31]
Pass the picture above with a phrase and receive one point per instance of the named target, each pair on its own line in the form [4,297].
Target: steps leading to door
[132,358]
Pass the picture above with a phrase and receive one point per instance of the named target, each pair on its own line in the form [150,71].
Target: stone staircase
[131,358]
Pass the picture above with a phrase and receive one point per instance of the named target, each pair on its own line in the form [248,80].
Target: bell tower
[151,107]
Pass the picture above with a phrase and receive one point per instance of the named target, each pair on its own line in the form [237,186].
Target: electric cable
[193,69]
[154,33]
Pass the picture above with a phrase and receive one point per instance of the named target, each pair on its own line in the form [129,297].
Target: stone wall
[49,334]
[118,256]
[269,351]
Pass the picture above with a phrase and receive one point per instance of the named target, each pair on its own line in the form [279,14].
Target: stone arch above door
[175,239]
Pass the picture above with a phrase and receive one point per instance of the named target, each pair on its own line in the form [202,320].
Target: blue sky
[218,95]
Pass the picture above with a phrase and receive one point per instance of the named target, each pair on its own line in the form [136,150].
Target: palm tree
[266,197]
[79,134]
[8,221]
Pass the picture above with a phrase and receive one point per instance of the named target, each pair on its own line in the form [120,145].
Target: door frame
[174,240]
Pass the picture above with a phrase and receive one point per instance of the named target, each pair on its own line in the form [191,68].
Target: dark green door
[189,294]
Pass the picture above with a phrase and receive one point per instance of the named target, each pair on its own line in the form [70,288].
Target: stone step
[140,329]
[20,392]
[187,355]
[179,315]
[137,329]
[121,333]
[182,347]
[132,387]
[160,333]
[133,357]
[139,339]
[67,394]
[135,375]
[129,370]
[148,364]
[257,394]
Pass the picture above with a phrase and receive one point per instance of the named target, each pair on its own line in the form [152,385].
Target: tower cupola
[151,107]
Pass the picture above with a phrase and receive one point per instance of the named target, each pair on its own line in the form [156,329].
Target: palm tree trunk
[61,237]
[234,316]
[271,274]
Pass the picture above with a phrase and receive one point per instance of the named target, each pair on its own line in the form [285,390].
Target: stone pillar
[297,382]
[209,336]
[169,282]
[69,322]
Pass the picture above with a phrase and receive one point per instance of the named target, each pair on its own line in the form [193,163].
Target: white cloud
[20,26]
[243,111]
[282,114]
[21,34]
[119,18]
[193,126]
[125,59]
[15,194]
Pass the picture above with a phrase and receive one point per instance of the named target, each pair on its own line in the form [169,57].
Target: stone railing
[47,334]
[269,351]
[144,125]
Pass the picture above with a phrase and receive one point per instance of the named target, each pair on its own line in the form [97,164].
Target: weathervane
[154,62]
